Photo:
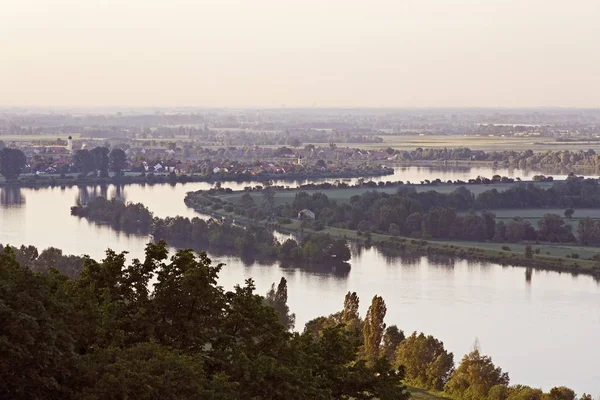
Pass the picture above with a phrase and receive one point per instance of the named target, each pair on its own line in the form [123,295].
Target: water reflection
[85,194]
[11,197]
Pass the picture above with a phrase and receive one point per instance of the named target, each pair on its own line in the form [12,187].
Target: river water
[543,331]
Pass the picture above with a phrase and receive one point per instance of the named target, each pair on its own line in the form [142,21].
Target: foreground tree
[12,162]
[392,338]
[106,335]
[426,361]
[374,327]
[278,300]
[474,377]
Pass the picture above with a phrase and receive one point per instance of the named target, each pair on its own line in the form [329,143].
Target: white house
[306,213]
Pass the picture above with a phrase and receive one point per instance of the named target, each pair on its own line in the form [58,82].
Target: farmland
[533,215]
[344,195]
[486,143]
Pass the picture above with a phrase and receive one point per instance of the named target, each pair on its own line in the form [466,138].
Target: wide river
[544,331]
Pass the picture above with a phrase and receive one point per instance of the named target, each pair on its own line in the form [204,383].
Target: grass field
[343,195]
[553,250]
[534,215]
[486,143]
[420,394]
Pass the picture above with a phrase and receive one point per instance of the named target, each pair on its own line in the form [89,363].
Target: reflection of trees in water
[89,193]
[406,257]
[11,196]
[338,270]
[528,274]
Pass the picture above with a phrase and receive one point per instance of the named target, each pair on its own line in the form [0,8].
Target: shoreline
[397,245]
[45,181]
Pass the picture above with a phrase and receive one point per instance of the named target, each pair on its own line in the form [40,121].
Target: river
[542,331]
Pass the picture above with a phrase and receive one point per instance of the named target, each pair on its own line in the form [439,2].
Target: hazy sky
[394,53]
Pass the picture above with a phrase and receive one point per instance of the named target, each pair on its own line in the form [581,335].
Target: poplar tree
[374,327]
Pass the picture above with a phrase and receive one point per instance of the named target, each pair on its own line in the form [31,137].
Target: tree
[426,361]
[552,228]
[350,311]
[268,199]
[34,340]
[246,201]
[278,300]
[569,213]
[100,160]
[373,328]
[528,252]
[12,162]
[83,161]
[391,339]
[295,142]
[474,377]
[489,220]
[562,393]
[117,160]
[394,229]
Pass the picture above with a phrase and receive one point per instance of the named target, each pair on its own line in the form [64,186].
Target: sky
[304,53]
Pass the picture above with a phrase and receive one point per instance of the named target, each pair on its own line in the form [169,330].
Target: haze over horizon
[232,53]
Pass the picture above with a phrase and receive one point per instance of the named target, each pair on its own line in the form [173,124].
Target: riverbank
[560,259]
[37,181]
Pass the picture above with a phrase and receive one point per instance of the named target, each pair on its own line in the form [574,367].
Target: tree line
[432,214]
[111,333]
[424,359]
[250,243]
[515,158]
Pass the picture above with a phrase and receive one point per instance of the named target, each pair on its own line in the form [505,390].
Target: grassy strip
[420,394]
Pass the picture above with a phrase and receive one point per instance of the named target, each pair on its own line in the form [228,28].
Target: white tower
[70,144]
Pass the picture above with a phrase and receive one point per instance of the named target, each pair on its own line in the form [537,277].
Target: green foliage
[373,328]
[528,251]
[569,213]
[426,361]
[552,228]
[83,161]
[278,300]
[117,160]
[100,159]
[475,377]
[106,335]
[37,357]
[392,337]
[12,162]
[562,393]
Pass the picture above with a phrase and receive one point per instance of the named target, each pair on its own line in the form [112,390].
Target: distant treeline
[252,242]
[519,159]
